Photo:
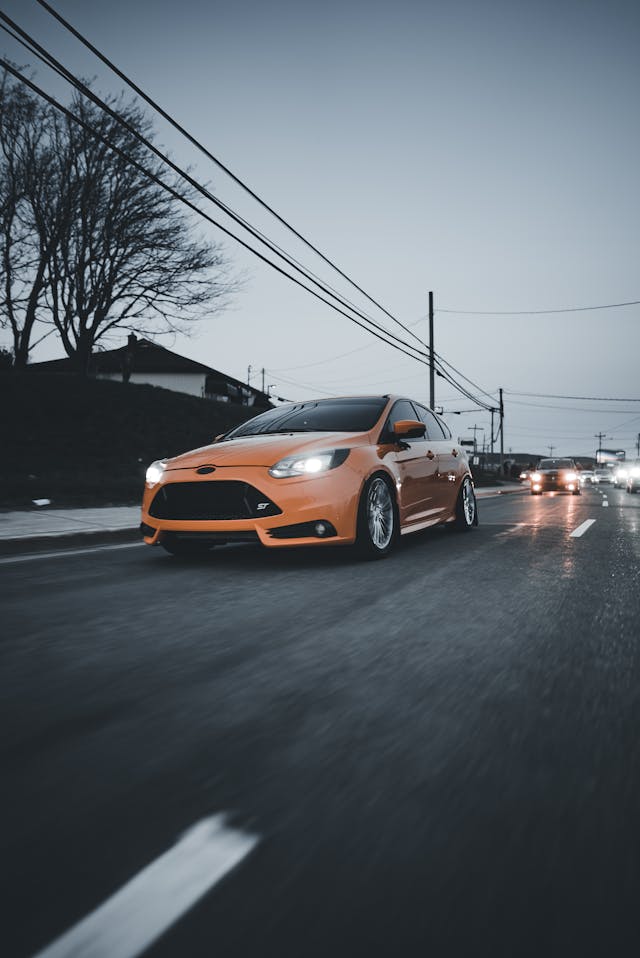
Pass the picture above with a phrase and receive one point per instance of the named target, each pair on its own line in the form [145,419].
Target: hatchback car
[358,470]
[555,475]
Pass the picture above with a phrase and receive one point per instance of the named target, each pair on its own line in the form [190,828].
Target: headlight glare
[535,477]
[308,465]
[155,472]
[570,477]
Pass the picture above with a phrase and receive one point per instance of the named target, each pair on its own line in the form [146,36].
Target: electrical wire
[177,126]
[534,312]
[44,56]
[54,64]
[176,195]
[584,398]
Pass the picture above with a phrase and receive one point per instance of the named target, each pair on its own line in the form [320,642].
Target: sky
[487,151]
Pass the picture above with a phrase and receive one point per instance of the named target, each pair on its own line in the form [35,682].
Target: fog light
[321,529]
[537,487]
[571,487]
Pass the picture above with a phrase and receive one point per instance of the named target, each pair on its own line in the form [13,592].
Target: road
[437,754]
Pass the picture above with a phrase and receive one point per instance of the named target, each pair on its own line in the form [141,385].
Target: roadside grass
[84,442]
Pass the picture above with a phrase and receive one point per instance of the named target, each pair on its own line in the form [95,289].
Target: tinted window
[435,429]
[556,464]
[325,415]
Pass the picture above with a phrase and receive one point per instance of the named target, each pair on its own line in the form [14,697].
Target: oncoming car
[359,470]
[558,475]
[620,474]
[633,477]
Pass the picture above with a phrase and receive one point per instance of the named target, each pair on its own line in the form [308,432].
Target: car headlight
[310,464]
[570,476]
[535,477]
[155,472]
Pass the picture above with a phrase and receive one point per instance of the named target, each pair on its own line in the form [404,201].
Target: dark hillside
[88,442]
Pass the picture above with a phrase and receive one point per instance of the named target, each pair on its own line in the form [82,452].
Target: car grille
[218,499]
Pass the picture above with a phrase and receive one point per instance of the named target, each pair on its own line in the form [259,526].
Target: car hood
[263,450]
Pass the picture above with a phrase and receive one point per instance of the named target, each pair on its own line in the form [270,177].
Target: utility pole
[600,436]
[551,448]
[638,447]
[263,379]
[492,412]
[475,443]
[432,374]
[248,375]
[501,411]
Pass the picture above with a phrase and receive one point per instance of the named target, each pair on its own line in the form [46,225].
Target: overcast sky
[489,151]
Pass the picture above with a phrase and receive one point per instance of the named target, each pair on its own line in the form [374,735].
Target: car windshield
[555,464]
[325,415]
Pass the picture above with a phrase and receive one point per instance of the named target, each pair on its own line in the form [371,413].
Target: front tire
[466,507]
[377,530]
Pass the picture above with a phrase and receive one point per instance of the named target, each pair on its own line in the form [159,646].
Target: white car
[603,475]
[586,476]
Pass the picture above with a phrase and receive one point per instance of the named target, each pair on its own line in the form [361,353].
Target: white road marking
[132,919]
[580,531]
[7,560]
[518,527]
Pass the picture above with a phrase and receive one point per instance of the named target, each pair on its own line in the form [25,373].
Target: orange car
[363,470]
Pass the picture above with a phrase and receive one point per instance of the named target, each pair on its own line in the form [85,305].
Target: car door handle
[430,455]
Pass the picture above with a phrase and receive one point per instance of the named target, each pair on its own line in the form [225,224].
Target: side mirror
[409,429]
[218,438]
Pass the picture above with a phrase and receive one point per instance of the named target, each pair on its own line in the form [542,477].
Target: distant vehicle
[525,475]
[620,474]
[633,477]
[555,475]
[585,477]
[603,476]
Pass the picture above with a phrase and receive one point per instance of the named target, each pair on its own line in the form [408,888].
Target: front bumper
[555,486]
[331,498]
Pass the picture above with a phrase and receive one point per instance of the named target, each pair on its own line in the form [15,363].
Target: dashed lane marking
[580,531]
[143,909]
[518,527]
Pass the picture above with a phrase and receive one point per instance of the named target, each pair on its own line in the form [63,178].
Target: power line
[585,398]
[176,195]
[44,56]
[54,64]
[195,142]
[540,405]
[471,383]
[330,359]
[534,312]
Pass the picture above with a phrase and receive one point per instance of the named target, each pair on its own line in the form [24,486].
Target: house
[144,362]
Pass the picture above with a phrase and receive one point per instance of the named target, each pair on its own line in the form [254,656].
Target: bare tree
[106,246]
[26,234]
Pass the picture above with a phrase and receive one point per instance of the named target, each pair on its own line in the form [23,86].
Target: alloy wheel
[380,514]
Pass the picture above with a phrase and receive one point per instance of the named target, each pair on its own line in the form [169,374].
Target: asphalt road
[438,754]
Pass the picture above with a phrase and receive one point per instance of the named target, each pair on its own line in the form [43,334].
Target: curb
[66,540]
